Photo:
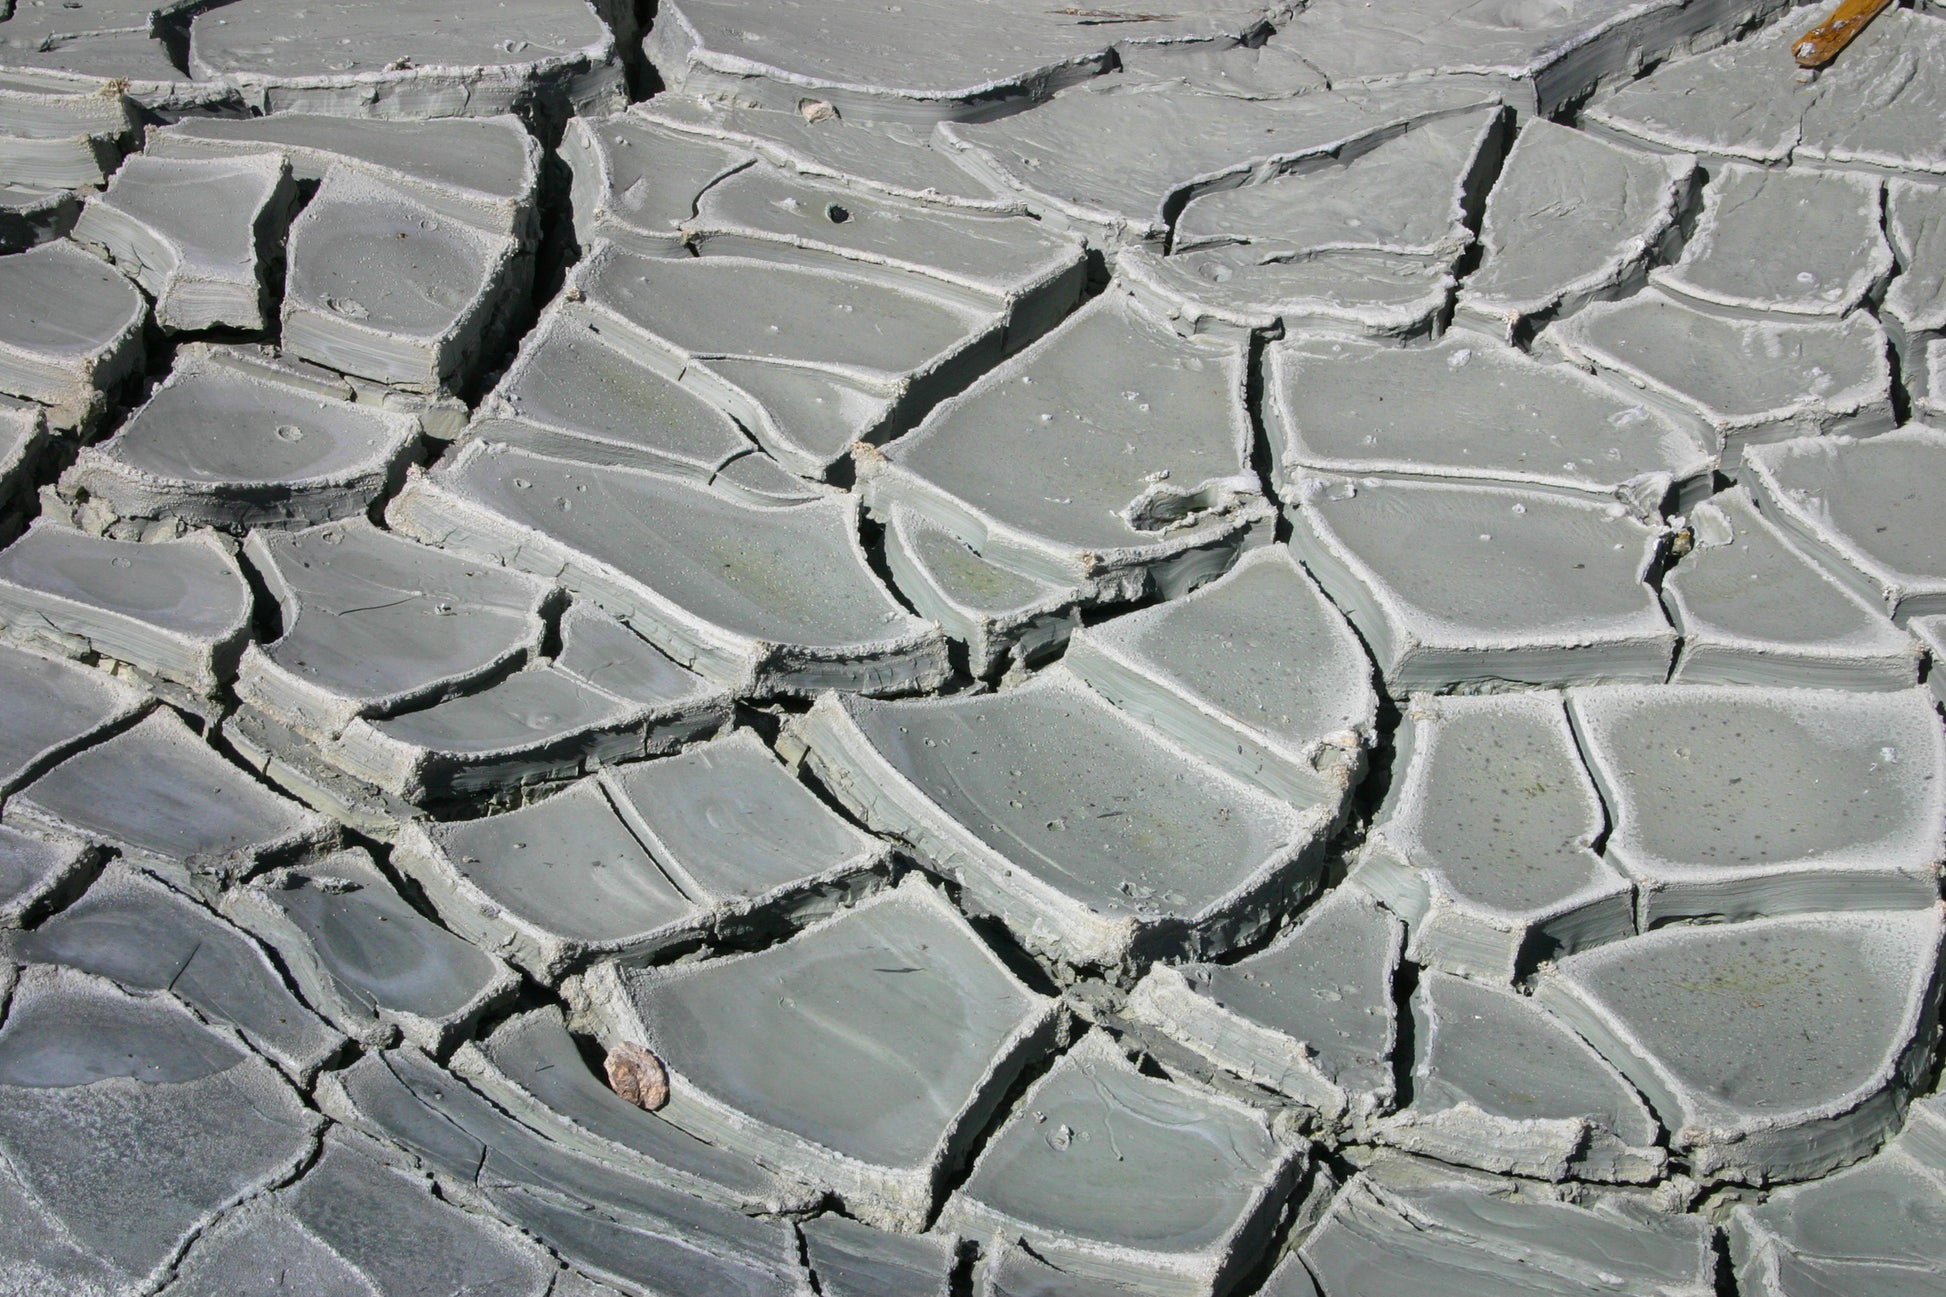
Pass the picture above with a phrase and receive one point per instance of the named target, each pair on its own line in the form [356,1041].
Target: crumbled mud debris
[971,647]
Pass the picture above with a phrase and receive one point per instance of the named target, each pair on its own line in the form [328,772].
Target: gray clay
[67,356]
[1119,1176]
[853,1260]
[176,609]
[1094,838]
[1731,802]
[49,708]
[879,1102]
[1455,583]
[1486,844]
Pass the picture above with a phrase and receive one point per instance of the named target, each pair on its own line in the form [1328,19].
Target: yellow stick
[1822,43]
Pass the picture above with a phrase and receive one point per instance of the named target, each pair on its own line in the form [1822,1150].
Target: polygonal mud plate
[1454,584]
[370,962]
[1032,466]
[921,63]
[1712,1024]
[533,1069]
[1120,1176]
[1379,1240]
[1871,1228]
[481,170]
[1915,219]
[636,181]
[1096,840]
[109,1100]
[1858,507]
[1540,58]
[358,1221]
[1754,609]
[196,234]
[1572,219]
[608,697]
[884,157]
[1111,159]
[632,1229]
[177,609]
[1466,407]
[374,623]
[544,58]
[1256,673]
[1312,1015]
[761,599]
[1233,290]
[1737,802]
[53,136]
[1414,195]
[177,804]
[1801,243]
[1005,618]
[150,937]
[1032,275]
[1744,380]
[383,286]
[49,708]
[234,440]
[1486,845]
[551,885]
[590,387]
[1499,1083]
[38,871]
[70,331]
[853,1260]
[903,1030]
[1872,110]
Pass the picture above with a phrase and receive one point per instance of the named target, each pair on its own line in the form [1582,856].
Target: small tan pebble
[638,1076]
[816,110]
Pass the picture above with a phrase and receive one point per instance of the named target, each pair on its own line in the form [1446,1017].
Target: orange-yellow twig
[1840,27]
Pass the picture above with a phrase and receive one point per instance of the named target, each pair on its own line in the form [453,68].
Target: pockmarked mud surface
[971,648]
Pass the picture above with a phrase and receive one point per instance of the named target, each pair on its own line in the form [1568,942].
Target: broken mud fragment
[70,332]
[1461,1238]
[1872,110]
[1755,609]
[1858,507]
[38,871]
[877,1105]
[1256,673]
[774,599]
[484,171]
[607,698]
[107,1101]
[1498,1083]
[178,610]
[178,805]
[1465,407]
[375,624]
[1036,468]
[1486,844]
[49,708]
[1097,841]
[233,440]
[540,58]
[1730,803]
[359,1220]
[1119,1176]
[1311,1016]
[197,235]
[854,1260]
[150,937]
[55,136]
[636,181]
[371,963]
[385,287]
[1572,219]
[531,1067]
[1462,585]
[923,62]
[1742,380]
[1712,1025]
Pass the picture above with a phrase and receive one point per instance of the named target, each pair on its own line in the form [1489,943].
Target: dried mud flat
[971,648]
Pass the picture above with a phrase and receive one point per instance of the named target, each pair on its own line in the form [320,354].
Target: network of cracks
[1280,650]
